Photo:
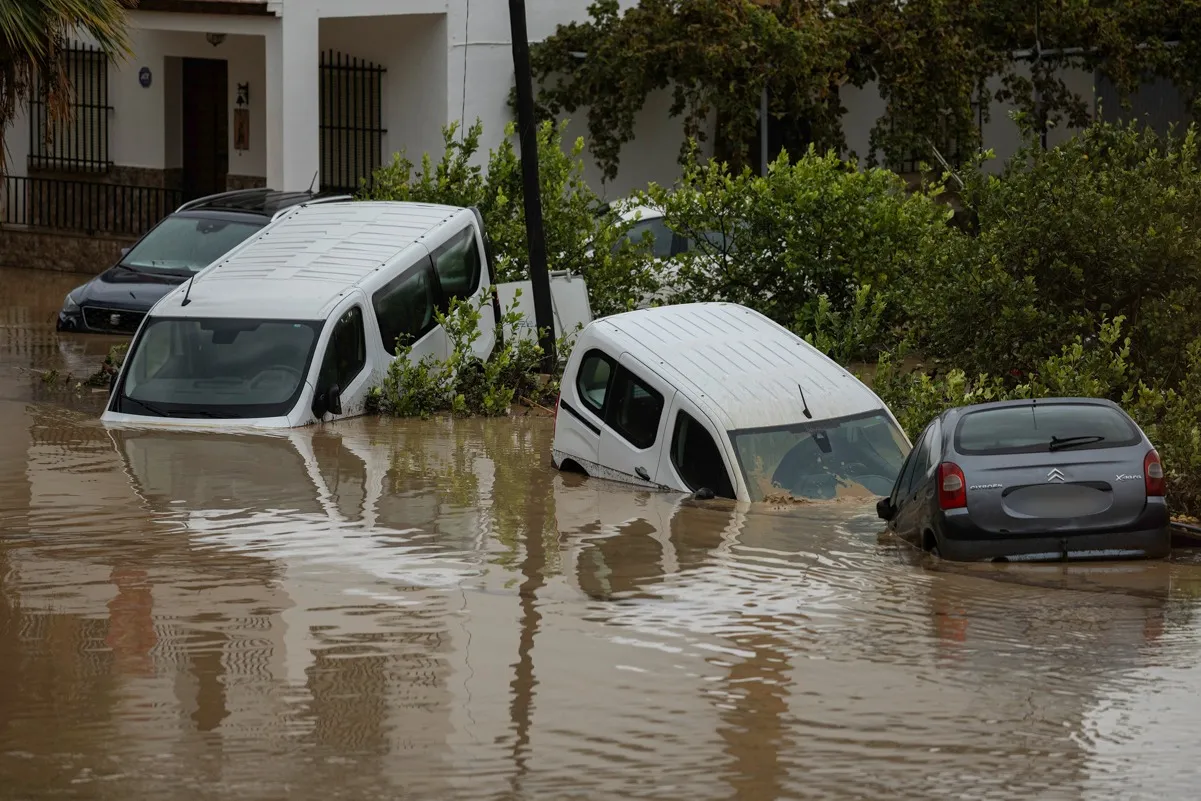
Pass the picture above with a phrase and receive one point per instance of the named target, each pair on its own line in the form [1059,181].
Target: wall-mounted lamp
[243,95]
[215,38]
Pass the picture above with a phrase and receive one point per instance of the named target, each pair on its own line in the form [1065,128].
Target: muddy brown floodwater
[427,610]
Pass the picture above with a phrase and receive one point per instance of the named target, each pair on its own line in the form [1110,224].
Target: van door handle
[641,473]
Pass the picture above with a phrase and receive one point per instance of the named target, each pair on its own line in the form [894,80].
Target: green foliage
[579,237]
[812,228]
[463,384]
[852,336]
[930,59]
[1103,225]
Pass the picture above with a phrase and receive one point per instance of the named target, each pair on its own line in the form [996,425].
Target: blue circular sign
[144,77]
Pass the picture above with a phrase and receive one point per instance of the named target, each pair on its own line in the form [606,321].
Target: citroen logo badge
[1056,475]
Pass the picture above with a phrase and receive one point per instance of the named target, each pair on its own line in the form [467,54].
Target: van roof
[299,266]
[738,365]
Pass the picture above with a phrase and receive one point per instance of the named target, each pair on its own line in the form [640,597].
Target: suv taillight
[1153,475]
[952,488]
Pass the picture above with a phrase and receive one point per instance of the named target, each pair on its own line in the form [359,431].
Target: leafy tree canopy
[933,61]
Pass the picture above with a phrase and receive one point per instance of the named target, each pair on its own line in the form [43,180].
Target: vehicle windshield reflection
[858,455]
[218,367]
[185,245]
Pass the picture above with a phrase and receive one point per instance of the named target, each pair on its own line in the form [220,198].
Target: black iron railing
[352,121]
[78,143]
[84,206]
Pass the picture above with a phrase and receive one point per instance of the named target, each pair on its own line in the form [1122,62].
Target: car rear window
[1043,427]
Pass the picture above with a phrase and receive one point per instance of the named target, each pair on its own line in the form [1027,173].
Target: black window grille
[80,142]
[352,129]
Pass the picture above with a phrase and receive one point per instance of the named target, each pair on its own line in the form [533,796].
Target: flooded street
[381,609]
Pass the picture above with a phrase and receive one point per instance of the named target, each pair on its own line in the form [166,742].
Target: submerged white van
[715,397]
[297,323]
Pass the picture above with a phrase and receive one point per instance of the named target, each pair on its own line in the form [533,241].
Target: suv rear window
[1044,427]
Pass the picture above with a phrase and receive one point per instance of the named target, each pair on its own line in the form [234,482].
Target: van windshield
[184,245]
[859,455]
[217,368]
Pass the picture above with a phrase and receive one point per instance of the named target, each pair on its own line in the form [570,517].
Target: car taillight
[1153,475]
[952,488]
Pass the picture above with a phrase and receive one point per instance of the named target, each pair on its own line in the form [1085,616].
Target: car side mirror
[124,252]
[112,382]
[885,510]
[333,399]
[704,494]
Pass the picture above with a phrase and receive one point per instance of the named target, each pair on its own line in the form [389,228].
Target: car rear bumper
[1148,537]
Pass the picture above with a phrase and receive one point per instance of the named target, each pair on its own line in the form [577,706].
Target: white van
[297,323]
[715,397]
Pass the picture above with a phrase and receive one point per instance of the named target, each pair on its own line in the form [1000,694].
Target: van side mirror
[885,510]
[704,494]
[124,252]
[112,382]
[333,399]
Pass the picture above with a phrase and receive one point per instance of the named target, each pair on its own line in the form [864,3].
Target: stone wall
[59,251]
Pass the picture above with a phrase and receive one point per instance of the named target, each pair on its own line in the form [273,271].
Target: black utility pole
[527,131]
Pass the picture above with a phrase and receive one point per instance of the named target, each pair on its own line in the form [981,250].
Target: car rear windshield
[185,245]
[217,368]
[1044,427]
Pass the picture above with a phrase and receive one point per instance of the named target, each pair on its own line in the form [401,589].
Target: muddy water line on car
[427,610]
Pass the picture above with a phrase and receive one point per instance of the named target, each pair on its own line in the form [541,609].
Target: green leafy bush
[580,236]
[463,384]
[1104,225]
[812,228]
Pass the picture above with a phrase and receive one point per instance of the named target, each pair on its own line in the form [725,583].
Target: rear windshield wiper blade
[1071,442]
[150,407]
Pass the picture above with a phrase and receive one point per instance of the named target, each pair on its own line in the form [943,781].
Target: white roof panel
[320,251]
[741,366]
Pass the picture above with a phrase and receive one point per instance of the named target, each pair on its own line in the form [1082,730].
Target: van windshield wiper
[1058,444]
[150,407]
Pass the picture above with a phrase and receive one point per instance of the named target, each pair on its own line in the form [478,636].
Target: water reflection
[427,609]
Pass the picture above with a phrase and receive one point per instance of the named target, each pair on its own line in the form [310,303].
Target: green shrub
[580,236]
[1104,225]
[812,228]
[463,384]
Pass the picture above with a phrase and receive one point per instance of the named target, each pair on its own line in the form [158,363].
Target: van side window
[697,459]
[405,307]
[458,265]
[633,409]
[592,381]
[346,353]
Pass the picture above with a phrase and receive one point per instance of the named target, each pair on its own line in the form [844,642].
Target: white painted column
[293,101]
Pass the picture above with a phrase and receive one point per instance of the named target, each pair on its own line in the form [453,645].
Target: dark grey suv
[1042,480]
[197,234]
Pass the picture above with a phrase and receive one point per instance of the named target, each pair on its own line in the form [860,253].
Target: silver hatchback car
[1033,480]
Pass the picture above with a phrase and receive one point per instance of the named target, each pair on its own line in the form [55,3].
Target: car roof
[298,267]
[741,367]
[262,202]
[1024,402]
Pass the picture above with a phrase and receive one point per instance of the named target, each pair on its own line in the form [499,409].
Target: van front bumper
[1147,537]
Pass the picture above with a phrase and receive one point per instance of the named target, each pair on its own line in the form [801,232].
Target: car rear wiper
[1058,444]
[150,407]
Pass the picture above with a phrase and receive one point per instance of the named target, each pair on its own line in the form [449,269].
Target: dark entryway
[205,126]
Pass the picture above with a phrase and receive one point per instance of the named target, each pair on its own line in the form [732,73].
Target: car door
[404,311]
[913,510]
[344,365]
[693,458]
[635,420]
